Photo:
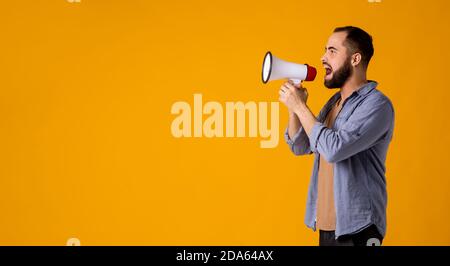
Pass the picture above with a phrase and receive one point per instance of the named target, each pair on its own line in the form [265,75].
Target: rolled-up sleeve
[299,144]
[363,129]
[314,136]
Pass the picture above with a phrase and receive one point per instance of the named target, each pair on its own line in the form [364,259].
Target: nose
[323,58]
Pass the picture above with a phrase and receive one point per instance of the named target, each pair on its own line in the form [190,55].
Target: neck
[353,83]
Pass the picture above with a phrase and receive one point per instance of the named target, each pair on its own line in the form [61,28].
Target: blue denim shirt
[357,145]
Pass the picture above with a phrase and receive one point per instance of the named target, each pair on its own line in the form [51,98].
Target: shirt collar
[366,88]
[363,90]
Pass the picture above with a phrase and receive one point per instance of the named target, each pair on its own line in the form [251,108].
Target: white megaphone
[274,68]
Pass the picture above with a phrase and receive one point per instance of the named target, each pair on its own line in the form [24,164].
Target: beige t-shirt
[326,213]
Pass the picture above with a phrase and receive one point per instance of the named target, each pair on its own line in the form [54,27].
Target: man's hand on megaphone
[293,96]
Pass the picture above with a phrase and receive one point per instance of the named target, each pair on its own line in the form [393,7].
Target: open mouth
[328,71]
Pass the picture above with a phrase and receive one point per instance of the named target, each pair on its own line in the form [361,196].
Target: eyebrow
[330,48]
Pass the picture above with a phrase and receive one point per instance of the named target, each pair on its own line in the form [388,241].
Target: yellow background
[86,90]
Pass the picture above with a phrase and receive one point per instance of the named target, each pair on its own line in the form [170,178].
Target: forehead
[337,40]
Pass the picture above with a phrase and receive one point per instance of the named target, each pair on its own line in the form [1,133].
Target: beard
[340,76]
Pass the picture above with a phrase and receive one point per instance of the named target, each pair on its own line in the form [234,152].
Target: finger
[289,86]
[285,89]
[292,83]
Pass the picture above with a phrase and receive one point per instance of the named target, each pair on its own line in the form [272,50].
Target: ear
[356,59]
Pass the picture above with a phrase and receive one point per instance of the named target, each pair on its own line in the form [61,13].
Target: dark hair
[358,41]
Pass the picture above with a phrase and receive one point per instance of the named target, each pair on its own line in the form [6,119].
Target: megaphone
[274,68]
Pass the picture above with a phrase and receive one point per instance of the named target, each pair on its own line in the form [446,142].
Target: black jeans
[367,237]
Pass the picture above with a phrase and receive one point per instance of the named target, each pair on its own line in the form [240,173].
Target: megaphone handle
[296,81]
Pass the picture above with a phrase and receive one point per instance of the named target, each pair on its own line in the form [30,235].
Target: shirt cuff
[294,139]
[314,136]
